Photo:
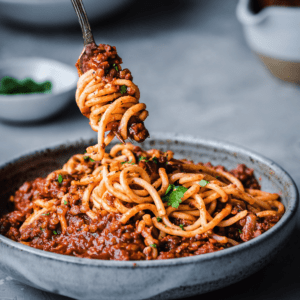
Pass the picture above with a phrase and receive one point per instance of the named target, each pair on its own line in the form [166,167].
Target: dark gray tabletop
[197,76]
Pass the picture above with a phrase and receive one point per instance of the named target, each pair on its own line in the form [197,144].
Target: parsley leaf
[158,219]
[60,178]
[170,188]
[65,202]
[54,232]
[240,231]
[116,67]
[41,228]
[154,159]
[181,226]
[47,214]
[153,245]
[99,120]
[143,158]
[203,182]
[123,89]
[91,160]
[174,197]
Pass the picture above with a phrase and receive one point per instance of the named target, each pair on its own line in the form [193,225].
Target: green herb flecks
[123,89]
[60,178]
[116,67]
[181,226]
[47,214]
[203,182]
[153,245]
[54,232]
[65,202]
[174,194]
[12,86]
[143,158]
[155,160]
[89,158]
[127,162]
[240,231]
[158,219]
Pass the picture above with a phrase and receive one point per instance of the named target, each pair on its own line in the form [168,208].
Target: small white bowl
[34,107]
[273,34]
[54,12]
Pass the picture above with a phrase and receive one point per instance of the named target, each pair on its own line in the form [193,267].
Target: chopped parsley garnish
[87,157]
[203,182]
[240,231]
[54,232]
[123,89]
[158,219]
[41,228]
[154,159]
[116,67]
[65,202]
[99,120]
[60,178]
[153,245]
[174,194]
[127,162]
[170,188]
[181,226]
[217,176]
[143,158]
[47,214]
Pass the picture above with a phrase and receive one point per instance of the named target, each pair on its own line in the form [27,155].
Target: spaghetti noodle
[138,204]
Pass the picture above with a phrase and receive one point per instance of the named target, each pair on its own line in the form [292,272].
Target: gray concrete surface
[197,76]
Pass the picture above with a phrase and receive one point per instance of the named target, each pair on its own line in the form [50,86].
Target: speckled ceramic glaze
[163,279]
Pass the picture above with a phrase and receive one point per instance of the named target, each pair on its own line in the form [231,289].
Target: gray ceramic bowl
[53,13]
[164,279]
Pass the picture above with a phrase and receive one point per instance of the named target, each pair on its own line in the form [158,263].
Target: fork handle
[87,34]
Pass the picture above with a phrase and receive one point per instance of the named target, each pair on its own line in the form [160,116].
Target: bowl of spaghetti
[172,218]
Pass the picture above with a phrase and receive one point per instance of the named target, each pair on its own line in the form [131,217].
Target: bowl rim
[6,64]
[230,147]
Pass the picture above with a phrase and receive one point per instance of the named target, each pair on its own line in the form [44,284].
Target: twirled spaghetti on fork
[108,97]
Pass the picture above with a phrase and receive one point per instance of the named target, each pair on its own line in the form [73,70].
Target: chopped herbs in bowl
[13,86]
[34,88]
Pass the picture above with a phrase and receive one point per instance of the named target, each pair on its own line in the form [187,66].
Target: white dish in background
[273,31]
[273,34]
[54,12]
[34,107]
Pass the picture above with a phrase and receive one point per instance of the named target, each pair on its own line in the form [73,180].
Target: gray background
[197,76]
